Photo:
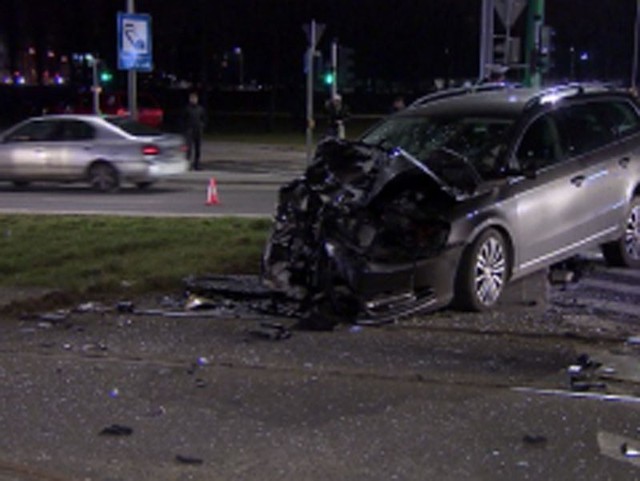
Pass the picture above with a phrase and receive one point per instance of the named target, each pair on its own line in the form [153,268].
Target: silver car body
[65,147]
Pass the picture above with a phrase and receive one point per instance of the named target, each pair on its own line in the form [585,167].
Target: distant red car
[149,110]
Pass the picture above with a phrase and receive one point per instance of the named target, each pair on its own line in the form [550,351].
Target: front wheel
[625,252]
[483,272]
[103,177]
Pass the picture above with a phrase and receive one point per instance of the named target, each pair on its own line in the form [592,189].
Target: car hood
[365,171]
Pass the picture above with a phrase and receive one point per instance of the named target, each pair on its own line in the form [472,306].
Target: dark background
[398,46]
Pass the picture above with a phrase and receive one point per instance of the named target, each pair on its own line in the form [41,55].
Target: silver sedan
[103,151]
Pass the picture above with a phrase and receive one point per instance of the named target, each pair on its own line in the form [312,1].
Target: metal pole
[636,35]
[310,120]
[132,77]
[334,69]
[95,85]
[486,38]
[535,20]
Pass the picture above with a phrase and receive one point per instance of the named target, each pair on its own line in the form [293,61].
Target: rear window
[132,127]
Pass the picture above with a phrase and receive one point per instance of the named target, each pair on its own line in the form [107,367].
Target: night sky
[399,40]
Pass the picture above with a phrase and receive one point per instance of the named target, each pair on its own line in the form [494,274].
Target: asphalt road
[117,396]
[168,199]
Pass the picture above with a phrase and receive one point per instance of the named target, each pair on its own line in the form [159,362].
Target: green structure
[533,49]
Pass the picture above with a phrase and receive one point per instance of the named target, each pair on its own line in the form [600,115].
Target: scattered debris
[117,430]
[188,460]
[534,440]
[125,307]
[271,331]
[628,451]
[583,375]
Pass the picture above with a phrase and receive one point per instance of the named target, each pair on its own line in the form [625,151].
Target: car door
[590,133]
[548,203]
[72,152]
[25,151]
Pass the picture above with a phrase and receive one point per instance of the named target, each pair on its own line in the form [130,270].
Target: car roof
[507,101]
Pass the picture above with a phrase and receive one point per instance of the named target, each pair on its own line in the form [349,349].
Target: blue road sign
[135,50]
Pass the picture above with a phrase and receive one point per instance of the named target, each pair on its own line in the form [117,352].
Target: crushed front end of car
[361,237]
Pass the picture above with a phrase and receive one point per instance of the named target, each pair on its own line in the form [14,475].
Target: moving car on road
[103,151]
[456,196]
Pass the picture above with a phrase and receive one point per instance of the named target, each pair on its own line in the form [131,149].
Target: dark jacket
[194,119]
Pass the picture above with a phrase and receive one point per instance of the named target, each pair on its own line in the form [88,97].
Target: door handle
[578,180]
[624,162]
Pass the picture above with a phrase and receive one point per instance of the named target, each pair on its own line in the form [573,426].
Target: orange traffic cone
[212,192]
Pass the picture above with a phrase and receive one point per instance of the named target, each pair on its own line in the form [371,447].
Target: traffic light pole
[132,78]
[535,21]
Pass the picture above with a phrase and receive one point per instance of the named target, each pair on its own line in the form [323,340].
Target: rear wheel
[103,177]
[143,185]
[21,184]
[483,272]
[625,252]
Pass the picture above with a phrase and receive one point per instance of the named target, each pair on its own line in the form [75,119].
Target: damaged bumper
[362,238]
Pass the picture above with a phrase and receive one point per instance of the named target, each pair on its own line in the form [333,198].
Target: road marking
[615,286]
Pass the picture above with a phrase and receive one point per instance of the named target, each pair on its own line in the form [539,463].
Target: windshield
[132,127]
[475,141]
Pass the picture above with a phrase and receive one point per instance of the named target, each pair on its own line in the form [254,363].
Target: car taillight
[150,150]
[183,148]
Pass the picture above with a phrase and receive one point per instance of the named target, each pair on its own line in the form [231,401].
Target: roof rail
[553,94]
[454,92]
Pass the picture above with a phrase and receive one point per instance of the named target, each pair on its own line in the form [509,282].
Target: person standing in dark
[195,120]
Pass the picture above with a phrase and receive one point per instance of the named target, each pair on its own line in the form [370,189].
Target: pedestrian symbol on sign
[134,35]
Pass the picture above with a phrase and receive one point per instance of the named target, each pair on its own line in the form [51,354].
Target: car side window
[619,116]
[34,131]
[583,128]
[75,130]
[540,144]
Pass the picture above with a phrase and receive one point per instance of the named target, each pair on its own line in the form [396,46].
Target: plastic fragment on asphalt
[534,440]
[198,302]
[634,340]
[188,459]
[620,448]
[117,430]
[271,332]
[125,306]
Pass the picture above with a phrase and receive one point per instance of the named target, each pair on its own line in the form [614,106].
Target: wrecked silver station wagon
[456,196]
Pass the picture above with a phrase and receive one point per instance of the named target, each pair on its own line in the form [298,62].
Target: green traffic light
[328,78]
[106,76]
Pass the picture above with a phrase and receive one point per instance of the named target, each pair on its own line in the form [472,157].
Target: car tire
[103,177]
[143,185]
[21,184]
[625,252]
[483,272]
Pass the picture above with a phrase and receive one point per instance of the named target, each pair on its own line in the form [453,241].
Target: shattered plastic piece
[203,361]
[198,302]
[114,393]
[188,459]
[628,451]
[634,340]
[534,440]
[125,306]
[271,331]
[54,317]
[117,430]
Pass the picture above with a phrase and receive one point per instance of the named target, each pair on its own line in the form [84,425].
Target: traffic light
[106,76]
[328,77]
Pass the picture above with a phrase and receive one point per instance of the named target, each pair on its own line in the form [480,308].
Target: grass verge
[81,255]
